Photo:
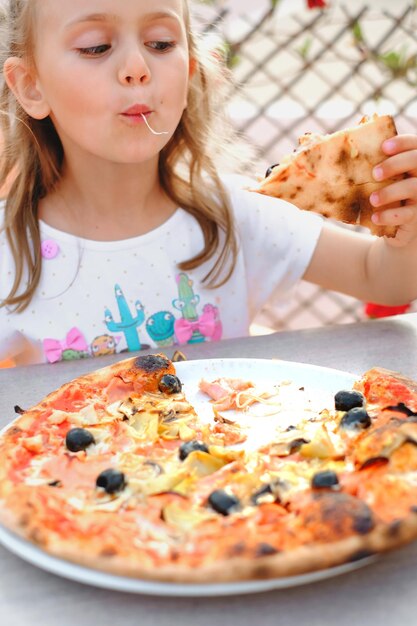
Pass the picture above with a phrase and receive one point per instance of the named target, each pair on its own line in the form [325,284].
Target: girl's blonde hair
[32,158]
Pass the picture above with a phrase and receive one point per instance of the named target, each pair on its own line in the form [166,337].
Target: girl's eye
[161,46]
[93,51]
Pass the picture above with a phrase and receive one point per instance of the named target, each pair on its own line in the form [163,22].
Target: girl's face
[101,63]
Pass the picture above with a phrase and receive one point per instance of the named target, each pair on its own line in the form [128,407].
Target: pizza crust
[303,560]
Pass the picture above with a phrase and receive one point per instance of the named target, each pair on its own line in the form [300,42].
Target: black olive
[111,480]
[346,400]
[326,478]
[78,439]
[269,170]
[223,502]
[170,384]
[356,418]
[191,446]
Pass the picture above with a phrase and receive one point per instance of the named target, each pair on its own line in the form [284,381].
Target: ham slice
[227,393]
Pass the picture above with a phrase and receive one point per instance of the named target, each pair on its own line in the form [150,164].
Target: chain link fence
[315,71]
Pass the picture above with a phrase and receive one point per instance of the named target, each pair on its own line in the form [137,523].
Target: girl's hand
[401,195]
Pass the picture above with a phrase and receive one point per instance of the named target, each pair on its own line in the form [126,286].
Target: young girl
[117,231]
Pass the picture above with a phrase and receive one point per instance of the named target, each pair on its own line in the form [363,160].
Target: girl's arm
[381,270]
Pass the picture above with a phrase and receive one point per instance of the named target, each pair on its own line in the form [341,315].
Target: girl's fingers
[400,191]
[395,217]
[396,165]
[404,218]
[400,143]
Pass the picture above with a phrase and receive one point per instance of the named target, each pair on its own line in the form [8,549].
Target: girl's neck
[117,202]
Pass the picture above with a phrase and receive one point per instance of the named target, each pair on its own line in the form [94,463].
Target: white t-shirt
[98,297]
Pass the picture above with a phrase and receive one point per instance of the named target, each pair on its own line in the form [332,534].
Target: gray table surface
[382,593]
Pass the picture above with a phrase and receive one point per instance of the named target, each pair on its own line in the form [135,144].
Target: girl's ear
[24,85]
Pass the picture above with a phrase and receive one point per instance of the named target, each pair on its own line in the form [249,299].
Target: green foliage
[304,49]
[399,63]
[357,33]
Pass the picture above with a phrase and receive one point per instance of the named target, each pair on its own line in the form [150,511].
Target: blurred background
[319,66]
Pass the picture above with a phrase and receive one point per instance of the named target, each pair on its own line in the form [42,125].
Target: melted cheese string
[246,397]
[154,132]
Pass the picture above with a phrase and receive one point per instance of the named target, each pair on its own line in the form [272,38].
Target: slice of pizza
[332,174]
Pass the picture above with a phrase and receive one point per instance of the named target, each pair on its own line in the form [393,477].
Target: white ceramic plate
[320,383]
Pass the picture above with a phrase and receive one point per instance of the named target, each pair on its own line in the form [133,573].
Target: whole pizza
[116,471]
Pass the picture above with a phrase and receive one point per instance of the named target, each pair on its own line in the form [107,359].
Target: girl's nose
[134,69]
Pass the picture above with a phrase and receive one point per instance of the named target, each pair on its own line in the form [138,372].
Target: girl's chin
[132,159]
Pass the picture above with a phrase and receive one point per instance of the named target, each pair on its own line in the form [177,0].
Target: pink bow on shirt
[206,324]
[73,341]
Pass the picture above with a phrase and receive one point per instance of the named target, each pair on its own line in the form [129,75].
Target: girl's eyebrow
[105,17]
[92,17]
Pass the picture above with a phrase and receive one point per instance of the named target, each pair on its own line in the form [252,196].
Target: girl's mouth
[137,110]
[138,113]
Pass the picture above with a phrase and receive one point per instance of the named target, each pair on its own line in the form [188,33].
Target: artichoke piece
[185,518]
[146,426]
[177,429]
[162,483]
[169,430]
[198,464]
[186,433]
[127,408]
[320,447]
[186,486]
[227,455]
[201,463]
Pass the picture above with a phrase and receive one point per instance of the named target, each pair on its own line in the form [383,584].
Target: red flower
[378,310]
[317,4]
